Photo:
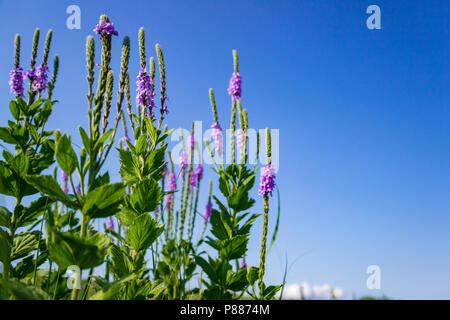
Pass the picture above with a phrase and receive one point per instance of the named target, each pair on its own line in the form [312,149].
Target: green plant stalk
[188,187]
[232,128]
[262,259]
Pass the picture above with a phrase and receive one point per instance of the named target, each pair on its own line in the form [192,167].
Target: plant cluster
[147,247]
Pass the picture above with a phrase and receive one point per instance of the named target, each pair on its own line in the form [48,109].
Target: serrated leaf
[23,244]
[65,155]
[143,232]
[48,185]
[104,201]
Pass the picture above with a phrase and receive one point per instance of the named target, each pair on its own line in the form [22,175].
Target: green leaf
[218,229]
[207,268]
[21,291]
[252,275]
[141,144]
[121,262]
[5,217]
[234,248]
[48,185]
[6,136]
[104,201]
[5,247]
[14,110]
[65,155]
[146,196]
[143,232]
[238,281]
[69,249]
[28,215]
[23,244]
[129,167]
[110,290]
[85,139]
[102,140]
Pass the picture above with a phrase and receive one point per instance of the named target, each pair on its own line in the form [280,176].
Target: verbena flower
[144,96]
[16,81]
[217,137]
[165,171]
[172,184]
[234,89]
[192,179]
[105,28]
[110,224]
[39,78]
[267,182]
[242,264]
[207,212]
[199,171]
[183,160]
[78,189]
[191,141]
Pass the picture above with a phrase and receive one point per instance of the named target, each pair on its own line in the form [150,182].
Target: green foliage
[52,224]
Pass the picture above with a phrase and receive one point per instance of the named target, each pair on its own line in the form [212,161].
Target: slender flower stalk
[186,195]
[162,77]
[51,83]
[266,187]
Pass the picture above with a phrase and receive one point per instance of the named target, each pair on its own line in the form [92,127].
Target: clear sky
[363,117]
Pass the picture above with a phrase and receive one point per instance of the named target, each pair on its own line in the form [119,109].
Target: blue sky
[363,118]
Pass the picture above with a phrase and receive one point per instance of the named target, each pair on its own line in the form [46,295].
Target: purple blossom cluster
[183,160]
[234,89]
[199,171]
[40,78]
[207,212]
[144,96]
[192,179]
[172,184]
[267,183]
[16,81]
[217,137]
[105,28]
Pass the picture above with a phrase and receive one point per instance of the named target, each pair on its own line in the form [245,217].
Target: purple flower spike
[192,179]
[78,189]
[267,182]
[144,96]
[217,137]
[165,171]
[183,160]
[110,224]
[242,264]
[191,141]
[172,185]
[199,172]
[207,212]
[39,78]
[16,81]
[234,89]
[105,28]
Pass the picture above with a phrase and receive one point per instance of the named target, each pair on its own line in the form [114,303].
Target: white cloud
[318,292]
